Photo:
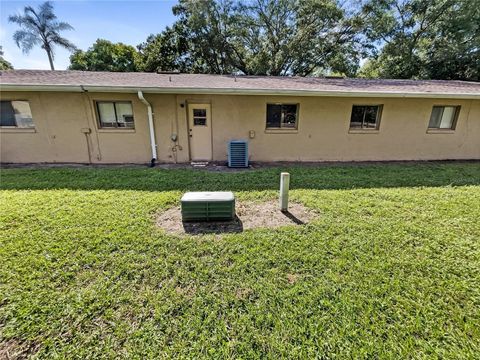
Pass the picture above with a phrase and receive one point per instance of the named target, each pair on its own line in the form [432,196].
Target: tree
[303,38]
[40,27]
[4,64]
[454,49]
[105,56]
[426,39]
[265,37]
[166,51]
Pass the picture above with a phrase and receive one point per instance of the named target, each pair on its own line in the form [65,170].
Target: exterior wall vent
[238,153]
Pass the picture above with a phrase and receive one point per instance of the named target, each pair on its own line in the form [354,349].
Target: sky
[129,22]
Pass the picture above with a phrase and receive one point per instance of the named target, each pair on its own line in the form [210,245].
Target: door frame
[189,103]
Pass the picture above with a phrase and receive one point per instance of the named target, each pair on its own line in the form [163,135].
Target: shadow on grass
[302,177]
[293,218]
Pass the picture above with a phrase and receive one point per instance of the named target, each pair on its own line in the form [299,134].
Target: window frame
[200,117]
[282,128]
[114,102]
[16,127]
[366,129]
[454,121]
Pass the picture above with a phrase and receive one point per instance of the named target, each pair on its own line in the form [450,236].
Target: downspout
[153,143]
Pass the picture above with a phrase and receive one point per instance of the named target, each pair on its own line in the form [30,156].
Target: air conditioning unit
[238,153]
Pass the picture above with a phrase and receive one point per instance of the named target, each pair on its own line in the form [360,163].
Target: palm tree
[40,27]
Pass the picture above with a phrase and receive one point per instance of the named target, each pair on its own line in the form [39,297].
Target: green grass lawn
[390,269]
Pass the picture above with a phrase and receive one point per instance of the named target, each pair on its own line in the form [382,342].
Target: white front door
[200,132]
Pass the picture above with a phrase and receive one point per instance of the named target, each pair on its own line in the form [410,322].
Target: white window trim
[13,129]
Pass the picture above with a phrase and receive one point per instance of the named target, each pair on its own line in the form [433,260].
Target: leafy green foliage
[434,39]
[265,37]
[165,52]
[388,270]
[105,56]
[41,27]
[4,64]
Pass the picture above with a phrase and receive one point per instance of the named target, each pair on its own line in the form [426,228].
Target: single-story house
[102,117]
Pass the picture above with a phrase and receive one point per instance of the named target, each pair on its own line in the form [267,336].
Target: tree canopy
[105,56]
[41,27]
[409,39]
[264,37]
[425,39]
[166,51]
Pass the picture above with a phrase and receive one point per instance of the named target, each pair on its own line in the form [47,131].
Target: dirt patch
[292,278]
[250,215]
[243,293]
[187,291]
[13,349]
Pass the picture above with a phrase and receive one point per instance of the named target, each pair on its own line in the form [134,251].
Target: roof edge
[230,91]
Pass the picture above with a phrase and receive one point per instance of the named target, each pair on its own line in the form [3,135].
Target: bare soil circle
[250,215]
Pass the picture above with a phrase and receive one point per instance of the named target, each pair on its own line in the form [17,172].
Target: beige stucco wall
[323,130]
[60,117]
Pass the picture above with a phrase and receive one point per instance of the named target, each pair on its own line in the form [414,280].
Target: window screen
[282,116]
[115,114]
[443,117]
[365,117]
[16,113]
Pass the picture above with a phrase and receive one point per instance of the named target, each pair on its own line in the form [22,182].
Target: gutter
[153,143]
[230,91]
[27,87]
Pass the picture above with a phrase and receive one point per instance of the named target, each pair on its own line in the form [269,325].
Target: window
[200,117]
[282,116]
[115,114]
[365,117]
[16,113]
[444,117]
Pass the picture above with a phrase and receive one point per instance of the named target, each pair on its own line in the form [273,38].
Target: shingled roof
[45,80]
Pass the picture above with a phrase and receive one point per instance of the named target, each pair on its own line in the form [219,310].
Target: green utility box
[208,206]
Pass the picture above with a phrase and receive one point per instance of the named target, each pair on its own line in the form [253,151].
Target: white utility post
[284,187]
